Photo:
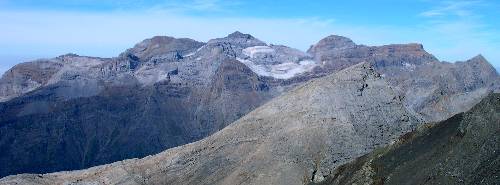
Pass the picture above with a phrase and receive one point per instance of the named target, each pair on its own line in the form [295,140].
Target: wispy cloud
[460,27]
[459,8]
[183,6]
[210,5]
[195,6]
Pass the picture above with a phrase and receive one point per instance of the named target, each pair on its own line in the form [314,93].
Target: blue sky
[451,30]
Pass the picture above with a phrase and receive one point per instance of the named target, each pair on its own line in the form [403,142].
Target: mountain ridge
[460,150]
[87,109]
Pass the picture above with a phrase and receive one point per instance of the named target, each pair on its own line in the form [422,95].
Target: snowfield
[280,71]
[252,52]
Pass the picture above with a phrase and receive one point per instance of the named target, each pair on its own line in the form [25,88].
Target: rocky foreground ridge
[73,112]
[461,150]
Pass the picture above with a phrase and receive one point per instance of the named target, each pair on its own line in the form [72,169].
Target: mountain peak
[337,41]
[361,72]
[238,34]
[68,55]
[332,42]
[479,58]
[238,39]
[162,45]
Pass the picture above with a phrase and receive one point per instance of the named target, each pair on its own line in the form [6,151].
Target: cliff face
[165,92]
[460,150]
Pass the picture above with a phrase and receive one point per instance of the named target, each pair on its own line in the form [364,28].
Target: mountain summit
[238,34]
[332,42]
[162,46]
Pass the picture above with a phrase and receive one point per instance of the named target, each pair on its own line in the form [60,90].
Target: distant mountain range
[318,109]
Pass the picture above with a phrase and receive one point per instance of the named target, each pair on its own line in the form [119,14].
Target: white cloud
[194,6]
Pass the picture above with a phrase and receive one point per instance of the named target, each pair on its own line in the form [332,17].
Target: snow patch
[188,55]
[409,66]
[280,71]
[255,50]
[193,53]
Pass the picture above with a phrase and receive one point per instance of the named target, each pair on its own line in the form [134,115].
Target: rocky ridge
[295,138]
[434,90]
[460,150]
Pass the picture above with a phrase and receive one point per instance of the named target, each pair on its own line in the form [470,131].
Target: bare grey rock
[162,47]
[329,44]
[304,133]
[460,150]
[434,90]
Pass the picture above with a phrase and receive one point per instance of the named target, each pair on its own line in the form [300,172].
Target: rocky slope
[295,138]
[164,92]
[434,90]
[464,149]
